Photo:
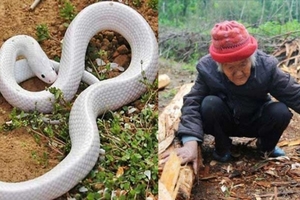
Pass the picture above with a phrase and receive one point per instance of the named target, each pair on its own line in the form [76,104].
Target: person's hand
[187,153]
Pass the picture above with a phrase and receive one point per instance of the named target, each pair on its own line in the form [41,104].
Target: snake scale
[96,99]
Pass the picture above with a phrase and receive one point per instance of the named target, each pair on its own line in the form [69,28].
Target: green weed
[42,32]
[137,3]
[153,4]
[189,67]
[37,124]
[168,94]
[41,160]
[67,12]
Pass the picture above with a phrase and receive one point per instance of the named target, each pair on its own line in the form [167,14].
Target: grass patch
[42,32]
[189,67]
[168,94]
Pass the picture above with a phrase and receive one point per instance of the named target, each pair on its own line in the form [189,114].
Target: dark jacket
[244,101]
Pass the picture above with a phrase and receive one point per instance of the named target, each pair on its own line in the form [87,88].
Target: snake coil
[96,99]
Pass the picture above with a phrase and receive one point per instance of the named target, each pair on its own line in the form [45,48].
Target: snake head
[48,76]
[43,68]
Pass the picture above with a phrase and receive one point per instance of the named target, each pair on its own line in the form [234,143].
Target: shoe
[227,157]
[277,152]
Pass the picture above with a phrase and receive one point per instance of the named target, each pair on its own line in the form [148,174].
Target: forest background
[185,25]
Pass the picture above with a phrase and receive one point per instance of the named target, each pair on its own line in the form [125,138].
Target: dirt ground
[248,176]
[20,155]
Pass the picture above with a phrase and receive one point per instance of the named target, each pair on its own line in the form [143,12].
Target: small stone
[121,39]
[116,54]
[105,44]
[122,49]
[100,62]
[99,37]
[132,110]
[122,60]
[61,28]
[109,35]
[213,163]
[83,189]
[98,43]
[114,41]
[98,186]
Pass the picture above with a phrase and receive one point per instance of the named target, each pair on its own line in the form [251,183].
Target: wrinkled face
[237,72]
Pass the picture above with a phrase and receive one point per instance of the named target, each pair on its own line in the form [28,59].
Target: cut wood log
[170,174]
[169,118]
[163,81]
[163,193]
[168,124]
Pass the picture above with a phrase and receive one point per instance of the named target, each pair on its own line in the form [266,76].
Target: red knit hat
[231,42]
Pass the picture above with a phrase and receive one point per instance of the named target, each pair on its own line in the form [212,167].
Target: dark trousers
[268,125]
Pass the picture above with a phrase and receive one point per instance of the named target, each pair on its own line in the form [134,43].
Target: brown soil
[248,176]
[21,158]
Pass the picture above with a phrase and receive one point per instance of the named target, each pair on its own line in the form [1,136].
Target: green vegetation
[189,67]
[42,32]
[41,160]
[67,12]
[136,2]
[170,93]
[274,28]
[201,14]
[185,25]
[57,135]
[153,4]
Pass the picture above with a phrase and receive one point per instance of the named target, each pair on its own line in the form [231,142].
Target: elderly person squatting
[230,97]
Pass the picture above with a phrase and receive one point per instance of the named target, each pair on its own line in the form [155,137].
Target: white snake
[97,98]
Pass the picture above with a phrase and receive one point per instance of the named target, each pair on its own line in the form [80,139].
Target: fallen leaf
[120,172]
[235,173]
[257,197]
[83,189]
[265,184]
[272,173]
[280,158]
[295,142]
[225,180]
[213,163]
[148,174]
[229,168]
[223,188]
[283,143]
[239,185]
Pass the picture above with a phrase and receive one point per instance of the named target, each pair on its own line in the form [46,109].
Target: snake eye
[43,76]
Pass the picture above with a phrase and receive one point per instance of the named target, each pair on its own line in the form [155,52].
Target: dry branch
[34,4]
[182,45]
[170,117]
[288,52]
